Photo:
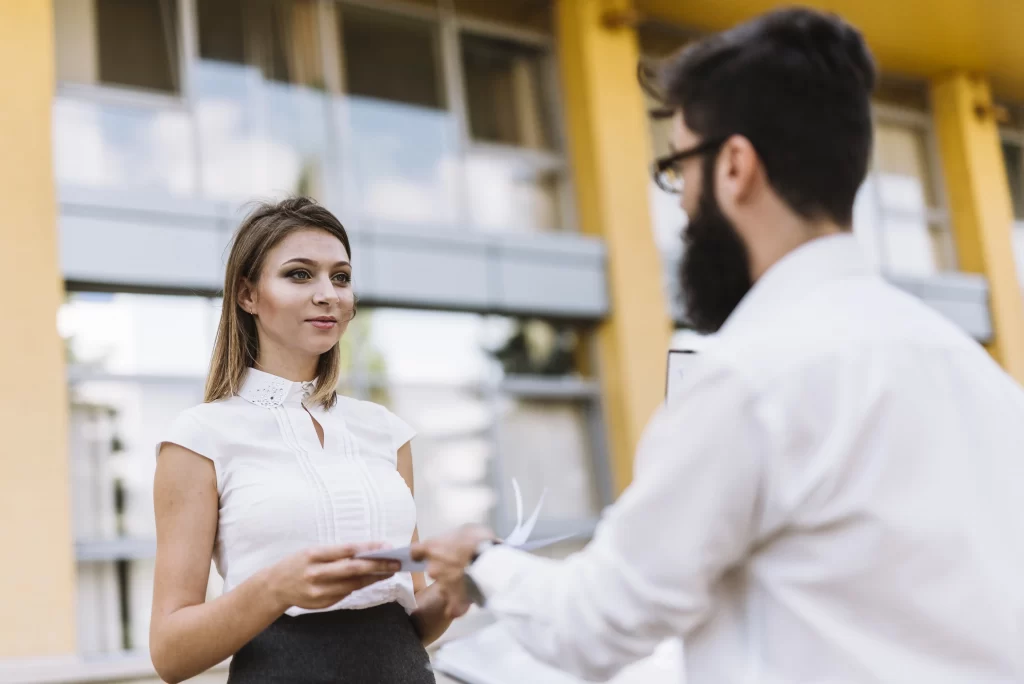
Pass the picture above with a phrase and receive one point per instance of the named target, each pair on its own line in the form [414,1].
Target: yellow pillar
[609,147]
[37,573]
[980,204]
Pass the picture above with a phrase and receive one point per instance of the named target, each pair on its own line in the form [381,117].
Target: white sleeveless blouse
[281,492]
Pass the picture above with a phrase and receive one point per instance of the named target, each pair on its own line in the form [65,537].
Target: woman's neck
[287,366]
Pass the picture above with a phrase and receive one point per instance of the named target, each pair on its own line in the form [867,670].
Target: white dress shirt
[281,491]
[837,497]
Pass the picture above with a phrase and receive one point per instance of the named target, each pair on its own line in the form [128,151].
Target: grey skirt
[375,645]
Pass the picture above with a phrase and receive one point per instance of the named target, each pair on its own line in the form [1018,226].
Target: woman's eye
[300,275]
[343,278]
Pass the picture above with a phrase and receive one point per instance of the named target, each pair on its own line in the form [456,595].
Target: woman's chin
[318,347]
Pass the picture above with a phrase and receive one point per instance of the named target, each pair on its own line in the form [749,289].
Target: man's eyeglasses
[666,169]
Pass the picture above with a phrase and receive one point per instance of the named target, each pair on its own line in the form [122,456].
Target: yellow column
[37,572]
[609,147]
[979,200]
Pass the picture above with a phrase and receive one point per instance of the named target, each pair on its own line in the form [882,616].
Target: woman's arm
[188,636]
[430,618]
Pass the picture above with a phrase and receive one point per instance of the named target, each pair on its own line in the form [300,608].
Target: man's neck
[784,240]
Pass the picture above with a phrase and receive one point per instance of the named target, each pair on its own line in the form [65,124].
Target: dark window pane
[391,59]
[505,93]
[278,37]
[130,43]
[1012,154]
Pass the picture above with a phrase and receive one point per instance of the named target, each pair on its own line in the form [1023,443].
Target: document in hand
[517,538]
[680,361]
[492,656]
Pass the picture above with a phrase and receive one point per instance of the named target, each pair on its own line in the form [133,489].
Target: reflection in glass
[106,145]
[512,194]
[546,445]
[537,347]
[505,93]
[261,109]
[139,334]
[400,163]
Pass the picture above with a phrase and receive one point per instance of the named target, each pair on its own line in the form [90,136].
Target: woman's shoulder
[210,412]
[200,428]
[370,413]
[361,409]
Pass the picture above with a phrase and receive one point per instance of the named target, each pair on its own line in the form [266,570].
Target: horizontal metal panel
[418,271]
[547,286]
[142,255]
[961,297]
[149,246]
[115,549]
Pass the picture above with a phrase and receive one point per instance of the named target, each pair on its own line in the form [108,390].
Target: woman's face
[303,300]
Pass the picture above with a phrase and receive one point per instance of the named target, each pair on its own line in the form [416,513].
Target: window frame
[1015,136]
[449,26]
[143,97]
[554,160]
[922,123]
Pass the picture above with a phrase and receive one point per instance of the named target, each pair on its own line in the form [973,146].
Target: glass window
[512,193]
[132,43]
[134,362]
[1013,156]
[400,148]
[506,93]
[261,108]
[898,216]
[128,147]
[280,38]
[388,58]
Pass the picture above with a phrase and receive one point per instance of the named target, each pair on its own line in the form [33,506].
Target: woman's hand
[320,577]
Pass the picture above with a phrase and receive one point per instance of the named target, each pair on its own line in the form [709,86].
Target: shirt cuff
[497,569]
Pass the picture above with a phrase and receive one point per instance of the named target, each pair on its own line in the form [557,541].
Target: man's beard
[714,273]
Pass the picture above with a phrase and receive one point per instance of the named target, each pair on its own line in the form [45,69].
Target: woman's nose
[325,293]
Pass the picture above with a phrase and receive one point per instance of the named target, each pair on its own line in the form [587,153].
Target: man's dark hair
[797,83]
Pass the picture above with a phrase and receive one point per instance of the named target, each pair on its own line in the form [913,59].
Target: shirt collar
[270,391]
[798,273]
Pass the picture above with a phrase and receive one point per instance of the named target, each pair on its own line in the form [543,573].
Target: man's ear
[739,171]
[247,295]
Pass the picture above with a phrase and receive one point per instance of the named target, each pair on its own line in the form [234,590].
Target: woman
[282,483]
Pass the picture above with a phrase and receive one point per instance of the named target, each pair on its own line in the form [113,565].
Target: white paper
[402,555]
[517,538]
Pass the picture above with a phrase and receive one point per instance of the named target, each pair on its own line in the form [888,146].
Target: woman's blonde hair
[237,345]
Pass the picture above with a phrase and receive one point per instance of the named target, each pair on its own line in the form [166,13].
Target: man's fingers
[418,552]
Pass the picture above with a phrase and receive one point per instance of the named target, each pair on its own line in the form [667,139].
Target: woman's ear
[247,296]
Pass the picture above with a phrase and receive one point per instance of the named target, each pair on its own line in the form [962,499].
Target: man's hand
[447,557]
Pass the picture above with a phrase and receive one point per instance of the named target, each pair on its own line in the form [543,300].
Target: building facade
[512,257]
